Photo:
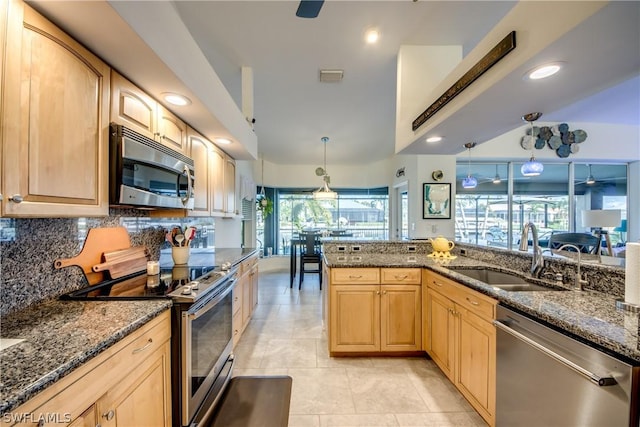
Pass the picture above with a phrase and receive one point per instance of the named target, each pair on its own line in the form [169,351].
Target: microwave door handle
[187,172]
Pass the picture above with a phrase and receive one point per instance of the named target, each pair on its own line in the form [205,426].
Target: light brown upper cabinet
[214,186]
[55,121]
[229,185]
[133,108]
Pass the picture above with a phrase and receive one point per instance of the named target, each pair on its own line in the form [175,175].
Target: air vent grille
[331,76]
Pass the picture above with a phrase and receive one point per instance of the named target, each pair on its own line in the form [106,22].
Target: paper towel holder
[627,306]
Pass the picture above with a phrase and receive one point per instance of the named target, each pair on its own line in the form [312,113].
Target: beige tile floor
[286,337]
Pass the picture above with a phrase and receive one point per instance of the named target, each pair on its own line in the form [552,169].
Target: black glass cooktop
[140,285]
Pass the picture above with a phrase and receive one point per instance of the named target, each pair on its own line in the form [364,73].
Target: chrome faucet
[578,280]
[537,262]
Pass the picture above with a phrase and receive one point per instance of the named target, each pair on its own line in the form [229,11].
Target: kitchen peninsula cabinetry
[461,339]
[245,296]
[129,384]
[55,121]
[374,310]
[133,108]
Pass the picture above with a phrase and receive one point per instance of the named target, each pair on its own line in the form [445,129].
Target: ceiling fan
[309,8]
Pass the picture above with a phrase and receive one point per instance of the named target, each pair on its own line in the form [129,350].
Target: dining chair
[311,253]
[587,243]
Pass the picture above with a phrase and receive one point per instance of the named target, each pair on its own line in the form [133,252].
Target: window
[484,216]
[361,214]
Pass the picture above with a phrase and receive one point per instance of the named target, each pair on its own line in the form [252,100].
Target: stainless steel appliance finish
[145,173]
[545,378]
[201,358]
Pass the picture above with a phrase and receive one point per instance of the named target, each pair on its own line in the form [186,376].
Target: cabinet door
[400,318]
[246,298]
[55,119]
[199,152]
[132,107]
[217,161]
[254,288]
[441,332]
[140,398]
[476,362]
[172,132]
[355,318]
[87,419]
[230,185]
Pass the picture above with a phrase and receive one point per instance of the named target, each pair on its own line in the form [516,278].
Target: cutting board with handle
[98,241]
[123,263]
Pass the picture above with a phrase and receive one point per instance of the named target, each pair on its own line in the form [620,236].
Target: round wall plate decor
[437,175]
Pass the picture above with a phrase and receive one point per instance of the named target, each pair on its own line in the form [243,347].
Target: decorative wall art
[558,138]
[437,201]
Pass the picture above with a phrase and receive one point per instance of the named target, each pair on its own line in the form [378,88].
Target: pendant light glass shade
[324,192]
[469,181]
[532,167]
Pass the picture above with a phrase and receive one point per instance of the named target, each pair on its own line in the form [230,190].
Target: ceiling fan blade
[309,8]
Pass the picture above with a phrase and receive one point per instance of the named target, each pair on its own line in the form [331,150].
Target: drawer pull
[359,276]
[401,277]
[472,302]
[108,415]
[437,283]
[143,348]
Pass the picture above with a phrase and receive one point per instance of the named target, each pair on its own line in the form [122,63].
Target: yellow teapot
[440,244]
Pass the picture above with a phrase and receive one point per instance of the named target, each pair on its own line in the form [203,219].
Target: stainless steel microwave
[145,173]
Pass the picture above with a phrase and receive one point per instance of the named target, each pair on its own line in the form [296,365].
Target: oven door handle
[201,309]
[594,378]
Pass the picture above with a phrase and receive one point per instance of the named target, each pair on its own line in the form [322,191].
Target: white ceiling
[293,110]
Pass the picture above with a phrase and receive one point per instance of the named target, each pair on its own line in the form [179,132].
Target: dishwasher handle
[600,381]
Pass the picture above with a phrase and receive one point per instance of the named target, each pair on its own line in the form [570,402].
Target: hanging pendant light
[324,192]
[532,167]
[590,179]
[497,179]
[469,181]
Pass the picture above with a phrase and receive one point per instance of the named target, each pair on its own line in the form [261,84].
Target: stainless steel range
[201,335]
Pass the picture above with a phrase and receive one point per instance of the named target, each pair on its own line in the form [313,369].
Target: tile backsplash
[29,247]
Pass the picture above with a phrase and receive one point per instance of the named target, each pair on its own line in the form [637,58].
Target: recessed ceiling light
[434,139]
[544,71]
[372,36]
[176,99]
[223,141]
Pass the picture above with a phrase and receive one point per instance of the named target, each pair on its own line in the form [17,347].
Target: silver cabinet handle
[109,415]
[437,283]
[472,302]
[401,277]
[16,198]
[355,277]
[597,380]
[143,348]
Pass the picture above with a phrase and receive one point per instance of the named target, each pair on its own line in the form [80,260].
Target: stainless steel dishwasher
[545,378]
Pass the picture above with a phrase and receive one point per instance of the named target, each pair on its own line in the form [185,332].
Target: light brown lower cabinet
[461,339]
[245,296]
[129,385]
[374,310]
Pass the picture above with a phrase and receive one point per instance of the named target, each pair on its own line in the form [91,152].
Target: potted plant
[265,205]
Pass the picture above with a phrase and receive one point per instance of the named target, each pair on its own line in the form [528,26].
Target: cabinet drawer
[146,343]
[441,284]
[341,276]
[411,276]
[477,303]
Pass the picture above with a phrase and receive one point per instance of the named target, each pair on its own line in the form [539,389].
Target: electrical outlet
[411,248]
[342,248]
[434,228]
[355,248]
[463,252]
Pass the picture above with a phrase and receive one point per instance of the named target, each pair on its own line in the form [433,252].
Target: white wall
[615,143]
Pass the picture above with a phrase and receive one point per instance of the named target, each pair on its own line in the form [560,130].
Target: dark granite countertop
[58,337]
[588,315]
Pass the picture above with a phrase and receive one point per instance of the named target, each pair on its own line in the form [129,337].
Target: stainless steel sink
[501,280]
